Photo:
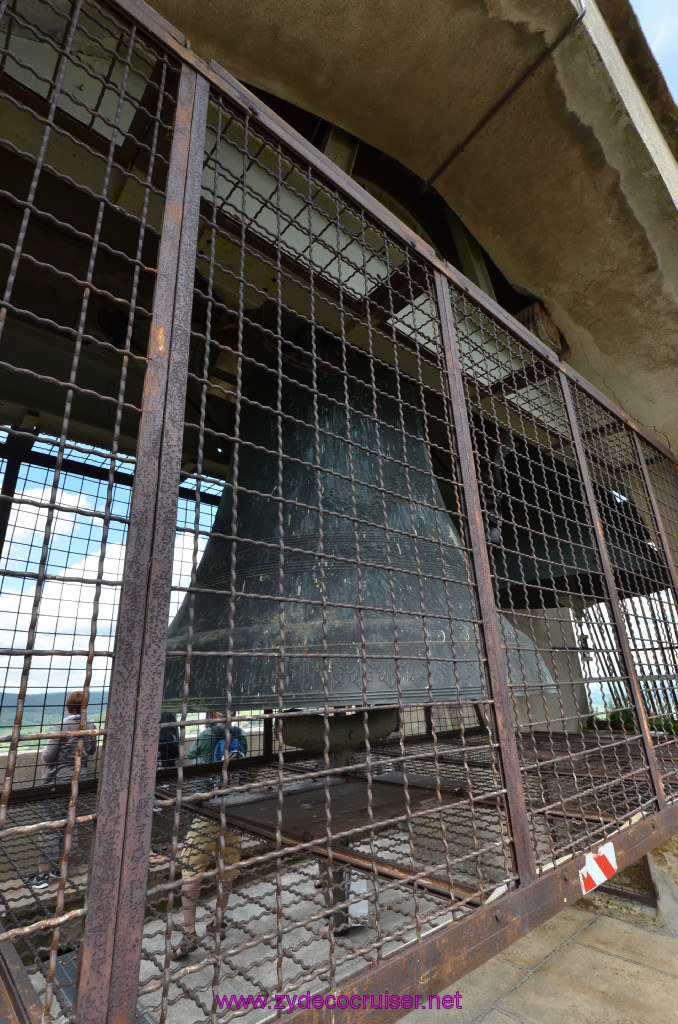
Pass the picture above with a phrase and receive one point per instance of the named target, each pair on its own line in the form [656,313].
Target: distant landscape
[44,712]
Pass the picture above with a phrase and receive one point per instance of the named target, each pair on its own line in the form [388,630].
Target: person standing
[202,748]
[168,740]
[208,844]
[58,759]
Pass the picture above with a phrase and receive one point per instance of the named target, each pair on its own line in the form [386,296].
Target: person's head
[217,716]
[74,702]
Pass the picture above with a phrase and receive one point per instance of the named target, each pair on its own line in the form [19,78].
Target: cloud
[28,522]
[665,38]
[66,615]
[660,27]
[182,565]
[69,606]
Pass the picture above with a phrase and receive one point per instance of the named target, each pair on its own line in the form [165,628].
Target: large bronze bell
[350,584]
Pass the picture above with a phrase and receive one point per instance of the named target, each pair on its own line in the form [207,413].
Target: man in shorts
[203,850]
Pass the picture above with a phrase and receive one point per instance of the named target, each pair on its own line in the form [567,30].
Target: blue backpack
[237,746]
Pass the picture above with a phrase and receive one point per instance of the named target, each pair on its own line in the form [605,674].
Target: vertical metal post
[627,656]
[15,451]
[515,796]
[657,514]
[111,948]
[268,734]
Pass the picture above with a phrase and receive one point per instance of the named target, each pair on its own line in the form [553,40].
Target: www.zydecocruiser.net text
[367,1001]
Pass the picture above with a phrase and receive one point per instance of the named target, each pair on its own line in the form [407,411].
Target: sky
[72,607]
[659,22]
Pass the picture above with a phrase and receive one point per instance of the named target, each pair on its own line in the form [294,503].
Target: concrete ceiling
[572,189]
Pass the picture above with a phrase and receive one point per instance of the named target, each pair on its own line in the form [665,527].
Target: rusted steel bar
[52,922]
[15,451]
[131,910]
[108,934]
[666,548]
[55,824]
[17,995]
[627,656]
[149,19]
[496,668]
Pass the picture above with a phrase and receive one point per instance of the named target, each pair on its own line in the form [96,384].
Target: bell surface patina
[352,587]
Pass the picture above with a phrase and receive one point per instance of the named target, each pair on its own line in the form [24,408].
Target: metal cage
[265,455]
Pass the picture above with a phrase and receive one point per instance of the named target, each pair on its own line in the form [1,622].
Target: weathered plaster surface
[664,870]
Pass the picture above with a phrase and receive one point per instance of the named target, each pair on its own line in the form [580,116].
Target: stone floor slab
[580,983]
[653,948]
[530,951]
[498,1017]
[478,990]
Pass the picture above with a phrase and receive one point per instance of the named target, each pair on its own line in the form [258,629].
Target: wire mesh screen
[340,766]
[583,777]
[633,884]
[86,106]
[324,601]
[647,599]
[664,485]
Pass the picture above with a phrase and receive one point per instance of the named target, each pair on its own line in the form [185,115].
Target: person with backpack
[237,744]
[202,748]
[206,843]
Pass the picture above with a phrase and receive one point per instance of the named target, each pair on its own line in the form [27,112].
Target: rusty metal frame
[115,914]
[666,547]
[610,582]
[17,995]
[496,671]
[442,958]
[120,855]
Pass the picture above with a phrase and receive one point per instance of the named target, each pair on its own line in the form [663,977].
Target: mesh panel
[368,734]
[86,104]
[323,600]
[661,661]
[647,600]
[584,772]
[664,482]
